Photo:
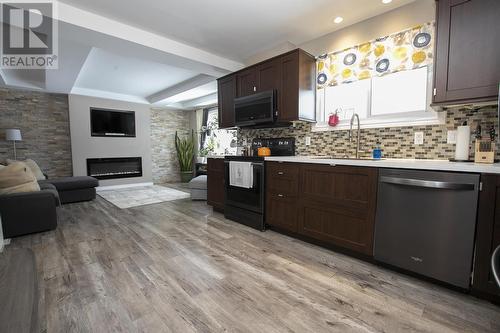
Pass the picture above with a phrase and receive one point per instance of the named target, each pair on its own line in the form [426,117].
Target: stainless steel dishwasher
[425,223]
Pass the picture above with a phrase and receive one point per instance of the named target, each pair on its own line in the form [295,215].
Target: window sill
[436,119]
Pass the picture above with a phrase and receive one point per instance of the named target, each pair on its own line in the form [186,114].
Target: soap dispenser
[377,151]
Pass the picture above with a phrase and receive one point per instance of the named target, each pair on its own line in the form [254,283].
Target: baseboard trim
[115,187]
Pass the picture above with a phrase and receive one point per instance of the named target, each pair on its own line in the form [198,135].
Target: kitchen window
[215,141]
[386,81]
[393,100]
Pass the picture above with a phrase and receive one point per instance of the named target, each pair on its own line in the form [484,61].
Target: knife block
[484,152]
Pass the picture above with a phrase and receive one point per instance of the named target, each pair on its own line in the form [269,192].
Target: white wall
[418,12]
[84,146]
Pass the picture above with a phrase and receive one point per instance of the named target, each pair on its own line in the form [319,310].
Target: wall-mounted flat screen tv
[115,123]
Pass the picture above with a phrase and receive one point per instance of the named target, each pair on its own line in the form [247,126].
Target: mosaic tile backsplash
[397,142]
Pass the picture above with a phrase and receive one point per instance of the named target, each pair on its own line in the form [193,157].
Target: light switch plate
[452,137]
[419,138]
[308,140]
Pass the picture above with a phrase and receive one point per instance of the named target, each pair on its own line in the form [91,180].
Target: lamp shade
[13,134]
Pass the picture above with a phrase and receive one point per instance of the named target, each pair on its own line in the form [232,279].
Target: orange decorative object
[264,151]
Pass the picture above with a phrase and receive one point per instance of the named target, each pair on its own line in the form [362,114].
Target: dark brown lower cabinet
[215,183]
[281,195]
[332,204]
[487,236]
[282,212]
[337,205]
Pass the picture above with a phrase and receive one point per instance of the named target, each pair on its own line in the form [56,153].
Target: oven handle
[253,163]
[427,183]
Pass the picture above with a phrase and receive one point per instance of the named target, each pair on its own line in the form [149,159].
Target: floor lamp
[13,134]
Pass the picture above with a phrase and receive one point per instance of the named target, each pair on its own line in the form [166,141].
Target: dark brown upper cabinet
[226,91]
[467,64]
[269,75]
[247,82]
[291,75]
[298,87]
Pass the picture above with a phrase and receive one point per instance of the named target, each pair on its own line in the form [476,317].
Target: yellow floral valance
[405,50]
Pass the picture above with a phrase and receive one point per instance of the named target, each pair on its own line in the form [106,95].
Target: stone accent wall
[164,123]
[44,123]
[397,142]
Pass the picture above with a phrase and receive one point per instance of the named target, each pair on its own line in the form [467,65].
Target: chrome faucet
[358,136]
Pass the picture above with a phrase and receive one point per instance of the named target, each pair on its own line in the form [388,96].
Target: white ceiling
[171,54]
[238,29]
[107,71]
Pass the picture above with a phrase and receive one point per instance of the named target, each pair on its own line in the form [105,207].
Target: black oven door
[251,199]
[254,109]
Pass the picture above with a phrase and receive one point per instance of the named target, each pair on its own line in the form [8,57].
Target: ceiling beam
[180,87]
[94,22]
[210,99]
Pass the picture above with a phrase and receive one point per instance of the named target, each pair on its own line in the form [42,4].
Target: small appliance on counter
[244,202]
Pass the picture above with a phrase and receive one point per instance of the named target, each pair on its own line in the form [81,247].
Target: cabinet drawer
[276,170]
[285,187]
[281,211]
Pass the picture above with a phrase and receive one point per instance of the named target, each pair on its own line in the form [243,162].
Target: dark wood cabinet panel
[282,178]
[487,235]
[339,185]
[247,82]
[283,170]
[215,183]
[467,67]
[281,211]
[226,94]
[337,205]
[335,225]
[281,195]
[269,75]
[290,85]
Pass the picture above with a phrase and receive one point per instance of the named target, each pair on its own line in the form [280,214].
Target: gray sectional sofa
[31,212]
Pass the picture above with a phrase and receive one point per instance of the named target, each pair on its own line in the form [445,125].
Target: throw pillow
[17,178]
[33,166]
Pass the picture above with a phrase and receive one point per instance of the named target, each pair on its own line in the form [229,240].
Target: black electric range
[247,205]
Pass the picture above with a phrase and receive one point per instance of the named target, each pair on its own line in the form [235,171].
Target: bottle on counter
[377,151]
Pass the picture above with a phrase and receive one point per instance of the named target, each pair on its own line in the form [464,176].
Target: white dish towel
[241,174]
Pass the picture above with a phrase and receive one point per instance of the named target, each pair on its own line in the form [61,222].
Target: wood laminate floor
[179,267]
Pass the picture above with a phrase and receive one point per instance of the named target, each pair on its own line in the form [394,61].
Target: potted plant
[185,154]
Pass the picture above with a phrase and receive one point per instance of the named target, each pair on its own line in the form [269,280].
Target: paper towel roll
[463,141]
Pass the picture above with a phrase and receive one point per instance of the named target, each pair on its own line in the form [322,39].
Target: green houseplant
[185,154]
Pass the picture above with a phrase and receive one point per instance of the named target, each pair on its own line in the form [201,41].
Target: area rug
[141,195]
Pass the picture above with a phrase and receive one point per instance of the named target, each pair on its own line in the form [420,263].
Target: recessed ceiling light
[386,1]
[338,19]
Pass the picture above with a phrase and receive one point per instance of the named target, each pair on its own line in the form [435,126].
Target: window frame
[405,119]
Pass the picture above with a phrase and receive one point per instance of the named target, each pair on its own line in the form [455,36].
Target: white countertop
[438,165]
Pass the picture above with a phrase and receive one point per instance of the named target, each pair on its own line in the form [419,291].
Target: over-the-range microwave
[256,109]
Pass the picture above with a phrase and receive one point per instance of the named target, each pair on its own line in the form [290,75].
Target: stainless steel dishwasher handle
[427,183]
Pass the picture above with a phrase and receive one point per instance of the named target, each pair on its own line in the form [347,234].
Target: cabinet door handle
[281,173]
[280,195]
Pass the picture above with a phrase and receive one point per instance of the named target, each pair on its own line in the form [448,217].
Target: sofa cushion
[33,166]
[17,178]
[46,186]
[199,183]
[73,183]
